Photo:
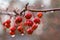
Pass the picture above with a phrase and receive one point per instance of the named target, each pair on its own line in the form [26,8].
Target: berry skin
[39,14]
[7,22]
[28,15]
[4,24]
[37,20]
[34,26]
[18,19]
[12,29]
[11,33]
[20,29]
[29,31]
[7,25]
[29,22]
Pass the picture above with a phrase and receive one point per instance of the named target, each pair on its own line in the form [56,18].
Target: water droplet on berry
[22,34]
[12,35]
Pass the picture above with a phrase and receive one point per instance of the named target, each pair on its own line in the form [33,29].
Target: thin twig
[45,10]
[25,9]
[15,12]
[6,13]
[22,11]
[26,6]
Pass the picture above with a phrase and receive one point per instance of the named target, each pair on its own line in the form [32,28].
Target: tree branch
[32,10]
[45,10]
[6,13]
[25,9]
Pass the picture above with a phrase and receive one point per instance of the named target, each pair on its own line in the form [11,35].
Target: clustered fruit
[20,25]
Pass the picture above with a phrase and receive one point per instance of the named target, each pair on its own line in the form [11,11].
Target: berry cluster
[31,25]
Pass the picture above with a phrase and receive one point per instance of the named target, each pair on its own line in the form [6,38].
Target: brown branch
[6,13]
[25,9]
[45,10]
[32,10]
[15,12]
[26,6]
[22,11]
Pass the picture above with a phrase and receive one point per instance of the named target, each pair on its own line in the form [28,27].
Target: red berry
[29,22]
[34,26]
[20,29]
[39,14]
[7,22]
[4,24]
[29,31]
[7,25]
[18,19]
[28,15]
[11,33]
[36,20]
[13,28]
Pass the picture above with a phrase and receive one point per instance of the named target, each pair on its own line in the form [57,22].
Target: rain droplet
[12,35]
[52,11]
[22,34]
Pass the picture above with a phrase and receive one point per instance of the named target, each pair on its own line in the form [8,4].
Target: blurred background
[49,29]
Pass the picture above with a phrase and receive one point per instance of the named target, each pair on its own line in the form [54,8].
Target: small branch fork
[32,10]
